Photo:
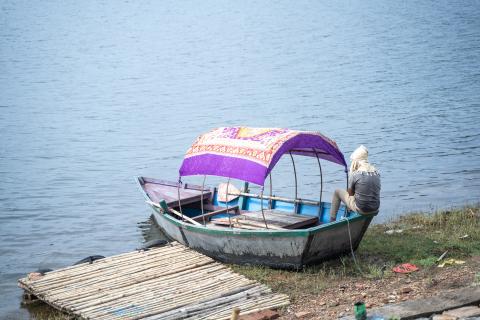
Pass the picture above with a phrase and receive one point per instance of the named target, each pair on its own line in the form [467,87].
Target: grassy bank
[417,238]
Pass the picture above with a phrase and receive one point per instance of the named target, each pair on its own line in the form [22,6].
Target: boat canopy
[249,154]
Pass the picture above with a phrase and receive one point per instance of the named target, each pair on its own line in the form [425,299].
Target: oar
[163,205]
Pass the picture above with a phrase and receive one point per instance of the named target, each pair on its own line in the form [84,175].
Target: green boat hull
[286,249]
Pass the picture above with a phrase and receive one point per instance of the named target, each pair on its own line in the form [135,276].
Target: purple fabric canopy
[249,154]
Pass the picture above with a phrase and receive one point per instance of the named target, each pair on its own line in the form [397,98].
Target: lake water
[95,93]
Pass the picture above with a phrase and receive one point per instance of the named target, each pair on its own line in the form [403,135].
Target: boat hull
[287,249]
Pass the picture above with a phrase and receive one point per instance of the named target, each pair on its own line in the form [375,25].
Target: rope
[351,245]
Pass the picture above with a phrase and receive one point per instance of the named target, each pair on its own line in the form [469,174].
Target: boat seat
[158,192]
[276,220]
[281,219]
[218,210]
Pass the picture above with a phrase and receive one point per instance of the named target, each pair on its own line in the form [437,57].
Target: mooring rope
[351,245]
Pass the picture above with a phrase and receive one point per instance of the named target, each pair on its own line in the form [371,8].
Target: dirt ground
[338,298]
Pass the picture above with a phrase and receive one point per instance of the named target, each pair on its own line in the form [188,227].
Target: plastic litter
[450,262]
[405,268]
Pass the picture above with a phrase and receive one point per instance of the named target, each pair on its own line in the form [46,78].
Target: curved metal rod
[201,201]
[261,207]
[178,194]
[346,208]
[296,183]
[270,201]
[229,219]
[320,207]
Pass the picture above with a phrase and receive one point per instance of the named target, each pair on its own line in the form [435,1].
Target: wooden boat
[245,228]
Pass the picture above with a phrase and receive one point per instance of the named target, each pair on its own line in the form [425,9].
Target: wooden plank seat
[242,223]
[158,191]
[275,219]
[216,210]
[281,218]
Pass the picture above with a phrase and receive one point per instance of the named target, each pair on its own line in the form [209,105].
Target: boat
[241,227]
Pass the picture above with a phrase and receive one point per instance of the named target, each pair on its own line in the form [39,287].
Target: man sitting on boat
[363,193]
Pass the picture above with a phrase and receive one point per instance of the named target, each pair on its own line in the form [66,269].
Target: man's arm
[351,185]
[351,192]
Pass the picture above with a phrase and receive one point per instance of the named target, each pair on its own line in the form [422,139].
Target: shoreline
[330,289]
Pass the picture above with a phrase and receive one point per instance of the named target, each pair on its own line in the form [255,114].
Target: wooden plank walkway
[171,282]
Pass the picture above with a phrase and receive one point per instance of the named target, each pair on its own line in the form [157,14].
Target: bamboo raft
[171,282]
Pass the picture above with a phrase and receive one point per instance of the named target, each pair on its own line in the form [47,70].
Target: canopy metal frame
[201,201]
[295,206]
[178,194]
[296,201]
[320,207]
[270,201]
[226,204]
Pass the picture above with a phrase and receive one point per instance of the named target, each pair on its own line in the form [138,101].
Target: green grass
[423,239]
[426,236]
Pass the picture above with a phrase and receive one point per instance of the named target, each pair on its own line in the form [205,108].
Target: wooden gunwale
[172,184]
[264,232]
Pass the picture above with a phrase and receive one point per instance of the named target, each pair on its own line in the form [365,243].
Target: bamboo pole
[128,272]
[168,284]
[103,264]
[165,287]
[113,279]
[115,266]
[174,281]
[163,305]
[93,276]
[166,281]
